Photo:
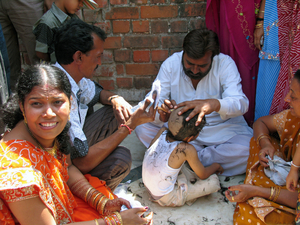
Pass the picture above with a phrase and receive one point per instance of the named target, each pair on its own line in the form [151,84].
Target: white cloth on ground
[278,170]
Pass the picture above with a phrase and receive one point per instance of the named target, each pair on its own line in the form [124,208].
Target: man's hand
[203,107]
[141,116]
[164,111]
[121,109]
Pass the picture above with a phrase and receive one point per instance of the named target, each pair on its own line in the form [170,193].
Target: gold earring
[22,109]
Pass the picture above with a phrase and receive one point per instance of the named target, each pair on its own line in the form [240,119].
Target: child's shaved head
[179,128]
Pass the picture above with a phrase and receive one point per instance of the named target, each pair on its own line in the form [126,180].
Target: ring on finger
[260,153]
[232,198]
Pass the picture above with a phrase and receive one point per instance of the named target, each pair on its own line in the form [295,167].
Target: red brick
[144,41]
[141,56]
[159,11]
[139,2]
[179,26]
[107,84]
[107,57]
[197,9]
[143,82]
[159,26]
[104,26]
[157,1]
[112,43]
[197,24]
[118,2]
[120,69]
[105,71]
[121,26]
[122,55]
[142,69]
[172,41]
[91,16]
[140,26]
[122,13]
[175,50]
[123,82]
[159,55]
[101,3]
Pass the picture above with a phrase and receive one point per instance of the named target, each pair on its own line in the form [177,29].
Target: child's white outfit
[172,187]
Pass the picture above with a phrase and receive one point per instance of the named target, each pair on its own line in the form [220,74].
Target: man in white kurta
[217,94]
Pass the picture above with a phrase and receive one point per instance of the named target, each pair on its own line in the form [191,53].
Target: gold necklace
[52,151]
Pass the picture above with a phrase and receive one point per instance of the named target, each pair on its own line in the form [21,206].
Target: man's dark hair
[199,41]
[188,128]
[297,76]
[74,35]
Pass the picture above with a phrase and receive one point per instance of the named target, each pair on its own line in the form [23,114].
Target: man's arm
[99,151]
[120,105]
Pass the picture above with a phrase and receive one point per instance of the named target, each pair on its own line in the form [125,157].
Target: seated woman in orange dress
[259,199]
[38,183]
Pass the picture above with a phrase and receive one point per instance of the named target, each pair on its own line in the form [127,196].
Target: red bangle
[129,129]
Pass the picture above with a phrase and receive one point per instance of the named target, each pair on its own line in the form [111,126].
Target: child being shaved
[169,181]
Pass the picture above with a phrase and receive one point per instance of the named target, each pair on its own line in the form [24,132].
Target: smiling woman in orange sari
[259,199]
[38,183]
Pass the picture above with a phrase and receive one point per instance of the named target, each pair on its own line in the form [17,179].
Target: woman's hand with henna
[115,205]
[240,193]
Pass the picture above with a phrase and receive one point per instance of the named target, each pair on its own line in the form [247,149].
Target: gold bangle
[87,193]
[96,221]
[261,11]
[272,193]
[103,203]
[261,137]
[91,197]
[99,202]
[278,189]
[119,217]
[96,197]
[112,220]
[258,25]
[116,219]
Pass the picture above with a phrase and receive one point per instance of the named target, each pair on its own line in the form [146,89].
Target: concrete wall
[141,35]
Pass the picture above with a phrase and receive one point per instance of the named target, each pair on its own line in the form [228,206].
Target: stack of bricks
[141,34]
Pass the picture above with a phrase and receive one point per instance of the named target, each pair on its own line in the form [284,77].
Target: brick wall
[141,35]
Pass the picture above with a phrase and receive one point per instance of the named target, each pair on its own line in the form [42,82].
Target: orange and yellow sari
[27,172]
[259,210]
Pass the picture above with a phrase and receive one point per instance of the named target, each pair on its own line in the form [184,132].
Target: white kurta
[222,83]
